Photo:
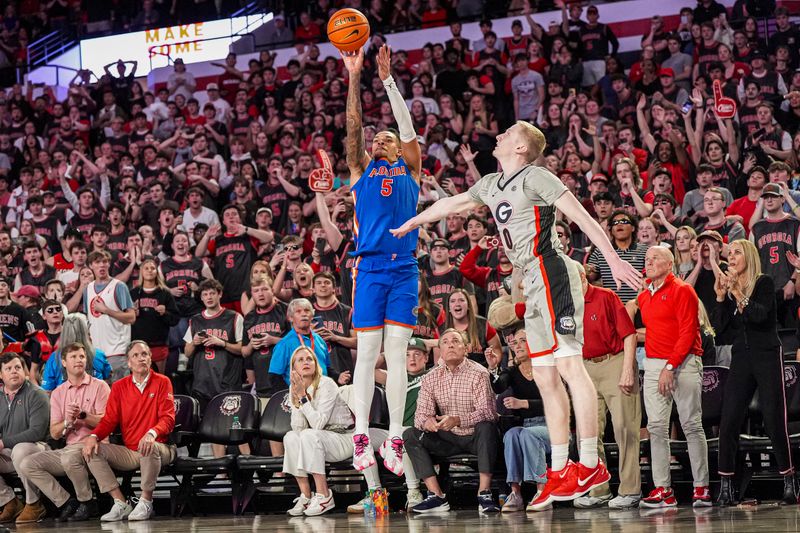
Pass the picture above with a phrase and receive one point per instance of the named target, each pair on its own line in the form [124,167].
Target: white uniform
[523,207]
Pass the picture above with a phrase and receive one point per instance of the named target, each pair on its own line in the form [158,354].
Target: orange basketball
[348,29]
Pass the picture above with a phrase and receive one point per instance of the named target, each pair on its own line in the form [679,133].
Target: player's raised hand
[409,226]
[384,61]
[624,272]
[353,61]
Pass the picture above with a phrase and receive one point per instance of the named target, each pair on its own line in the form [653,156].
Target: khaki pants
[10,460]
[41,469]
[687,397]
[626,416]
[113,456]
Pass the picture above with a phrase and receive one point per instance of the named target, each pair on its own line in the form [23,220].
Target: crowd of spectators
[184,218]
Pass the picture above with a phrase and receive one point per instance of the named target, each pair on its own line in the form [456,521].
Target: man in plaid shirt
[461,392]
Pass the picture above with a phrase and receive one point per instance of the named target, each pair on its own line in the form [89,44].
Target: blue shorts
[385,291]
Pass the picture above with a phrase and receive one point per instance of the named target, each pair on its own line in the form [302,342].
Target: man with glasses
[622,228]
[76,407]
[45,341]
[142,406]
[693,202]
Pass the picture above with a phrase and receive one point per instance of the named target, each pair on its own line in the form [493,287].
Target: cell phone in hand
[317,321]
[319,244]
[202,334]
[687,106]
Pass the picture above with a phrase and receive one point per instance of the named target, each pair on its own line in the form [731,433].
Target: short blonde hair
[534,138]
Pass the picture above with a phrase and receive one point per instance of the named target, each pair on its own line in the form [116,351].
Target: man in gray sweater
[24,423]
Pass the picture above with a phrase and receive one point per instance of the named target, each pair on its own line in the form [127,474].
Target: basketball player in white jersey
[523,199]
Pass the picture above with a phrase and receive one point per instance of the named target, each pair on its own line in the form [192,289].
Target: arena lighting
[158,47]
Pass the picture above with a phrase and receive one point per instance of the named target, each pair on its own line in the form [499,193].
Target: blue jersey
[384,198]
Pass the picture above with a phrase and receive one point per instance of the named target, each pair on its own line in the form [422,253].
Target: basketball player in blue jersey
[385,192]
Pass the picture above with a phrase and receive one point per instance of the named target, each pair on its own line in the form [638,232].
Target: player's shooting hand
[353,61]
[384,60]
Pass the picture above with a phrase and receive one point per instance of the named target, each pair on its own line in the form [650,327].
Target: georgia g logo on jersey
[503,212]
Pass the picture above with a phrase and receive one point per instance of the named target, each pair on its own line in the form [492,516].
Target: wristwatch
[304,400]
[670,367]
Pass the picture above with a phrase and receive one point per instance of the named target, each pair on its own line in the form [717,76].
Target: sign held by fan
[321,179]
[723,106]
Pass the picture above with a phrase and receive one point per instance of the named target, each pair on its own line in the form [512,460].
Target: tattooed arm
[357,158]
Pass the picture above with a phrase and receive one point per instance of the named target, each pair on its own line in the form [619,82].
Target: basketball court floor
[764,518]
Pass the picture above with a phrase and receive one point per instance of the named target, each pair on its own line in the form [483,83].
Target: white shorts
[553,310]
[593,71]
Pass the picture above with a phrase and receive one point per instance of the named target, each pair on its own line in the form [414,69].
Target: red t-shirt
[744,207]
[605,323]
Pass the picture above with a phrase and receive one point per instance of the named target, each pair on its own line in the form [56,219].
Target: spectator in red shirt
[307,31]
[434,16]
[609,353]
[673,372]
[745,206]
[141,405]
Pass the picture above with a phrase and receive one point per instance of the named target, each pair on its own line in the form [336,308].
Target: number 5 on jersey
[386,186]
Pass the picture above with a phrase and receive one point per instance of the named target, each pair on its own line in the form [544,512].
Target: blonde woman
[685,255]
[156,312]
[747,303]
[322,430]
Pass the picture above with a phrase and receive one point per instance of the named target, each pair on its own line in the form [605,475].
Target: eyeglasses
[292,247]
[54,310]
[661,202]
[559,235]
[621,222]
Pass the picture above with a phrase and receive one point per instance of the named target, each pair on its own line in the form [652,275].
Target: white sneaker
[624,501]
[320,504]
[589,502]
[119,511]
[142,511]
[413,497]
[513,503]
[363,455]
[300,505]
[358,507]
[392,452]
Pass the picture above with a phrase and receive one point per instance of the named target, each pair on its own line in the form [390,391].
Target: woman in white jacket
[322,430]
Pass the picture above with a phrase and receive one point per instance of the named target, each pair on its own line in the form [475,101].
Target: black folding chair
[216,428]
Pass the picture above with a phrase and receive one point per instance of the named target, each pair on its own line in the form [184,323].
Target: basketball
[348,30]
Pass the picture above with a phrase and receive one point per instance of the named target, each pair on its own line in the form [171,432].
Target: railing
[50,46]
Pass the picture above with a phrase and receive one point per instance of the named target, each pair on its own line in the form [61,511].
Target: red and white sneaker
[543,500]
[363,455]
[659,498]
[392,452]
[701,497]
[580,480]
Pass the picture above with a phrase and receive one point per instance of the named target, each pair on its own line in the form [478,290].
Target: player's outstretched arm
[408,136]
[436,212]
[622,271]
[354,143]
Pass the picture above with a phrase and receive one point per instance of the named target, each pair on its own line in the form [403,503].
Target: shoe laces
[397,446]
[360,441]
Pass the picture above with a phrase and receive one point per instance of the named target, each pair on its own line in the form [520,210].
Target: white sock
[588,452]
[395,345]
[369,347]
[558,456]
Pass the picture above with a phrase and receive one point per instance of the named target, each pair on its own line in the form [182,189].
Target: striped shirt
[633,255]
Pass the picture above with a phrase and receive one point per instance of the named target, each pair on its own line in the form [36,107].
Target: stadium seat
[215,428]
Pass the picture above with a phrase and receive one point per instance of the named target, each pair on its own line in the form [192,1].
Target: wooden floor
[765,518]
